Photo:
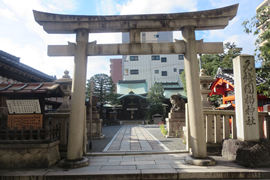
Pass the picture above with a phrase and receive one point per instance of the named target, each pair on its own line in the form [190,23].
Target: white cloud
[222,3]
[245,41]
[156,6]
[106,7]
[5,12]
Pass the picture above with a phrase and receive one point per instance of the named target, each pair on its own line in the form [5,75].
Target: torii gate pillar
[77,112]
[197,133]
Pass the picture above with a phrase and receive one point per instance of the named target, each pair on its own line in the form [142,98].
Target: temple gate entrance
[134,24]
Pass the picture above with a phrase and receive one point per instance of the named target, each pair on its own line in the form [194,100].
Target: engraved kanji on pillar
[249,92]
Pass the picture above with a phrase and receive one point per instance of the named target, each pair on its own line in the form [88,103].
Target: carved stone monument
[247,150]
[176,119]
[246,106]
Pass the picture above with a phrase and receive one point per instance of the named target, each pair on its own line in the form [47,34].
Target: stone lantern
[205,80]
[65,84]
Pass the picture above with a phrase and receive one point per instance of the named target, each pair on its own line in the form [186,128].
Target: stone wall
[29,155]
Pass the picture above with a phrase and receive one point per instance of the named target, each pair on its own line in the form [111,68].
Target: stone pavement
[134,138]
[140,166]
[134,153]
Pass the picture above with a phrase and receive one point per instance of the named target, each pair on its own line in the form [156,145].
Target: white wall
[146,66]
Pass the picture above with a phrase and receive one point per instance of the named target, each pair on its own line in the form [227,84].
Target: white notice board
[27,106]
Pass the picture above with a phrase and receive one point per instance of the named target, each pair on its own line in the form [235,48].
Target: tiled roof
[15,62]
[227,74]
[31,88]
[171,88]
[137,87]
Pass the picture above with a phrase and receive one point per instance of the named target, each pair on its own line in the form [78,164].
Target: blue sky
[21,36]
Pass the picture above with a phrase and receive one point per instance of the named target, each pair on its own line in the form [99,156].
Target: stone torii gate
[134,24]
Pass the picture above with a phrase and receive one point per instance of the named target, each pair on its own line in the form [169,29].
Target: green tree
[155,98]
[104,89]
[156,94]
[211,62]
[259,26]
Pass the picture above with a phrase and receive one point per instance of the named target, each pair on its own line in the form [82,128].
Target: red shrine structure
[224,85]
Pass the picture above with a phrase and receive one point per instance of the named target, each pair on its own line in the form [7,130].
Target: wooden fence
[49,134]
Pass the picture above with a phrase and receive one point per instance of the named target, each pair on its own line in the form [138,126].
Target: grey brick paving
[134,138]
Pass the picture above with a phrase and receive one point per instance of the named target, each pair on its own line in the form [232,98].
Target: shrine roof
[132,95]
[169,92]
[201,20]
[46,88]
[14,62]
[227,74]
[137,87]
[171,88]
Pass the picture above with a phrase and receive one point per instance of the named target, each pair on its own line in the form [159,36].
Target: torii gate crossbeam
[134,24]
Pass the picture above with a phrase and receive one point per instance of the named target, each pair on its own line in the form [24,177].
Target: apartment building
[153,68]
[116,71]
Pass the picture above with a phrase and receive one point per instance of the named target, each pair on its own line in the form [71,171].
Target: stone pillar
[197,131]
[246,107]
[205,80]
[76,123]
[65,84]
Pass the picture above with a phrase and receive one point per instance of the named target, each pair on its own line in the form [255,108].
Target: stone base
[29,155]
[208,161]
[68,164]
[248,154]
[98,136]
[175,120]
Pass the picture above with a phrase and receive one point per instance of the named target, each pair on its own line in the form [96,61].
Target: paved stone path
[134,138]
[149,166]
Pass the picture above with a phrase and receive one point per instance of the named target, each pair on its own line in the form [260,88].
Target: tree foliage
[155,98]
[156,94]
[211,62]
[259,26]
[104,89]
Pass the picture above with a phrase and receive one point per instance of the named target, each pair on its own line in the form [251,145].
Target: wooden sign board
[27,106]
[20,121]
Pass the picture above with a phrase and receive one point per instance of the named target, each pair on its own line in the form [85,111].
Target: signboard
[20,121]
[132,109]
[28,106]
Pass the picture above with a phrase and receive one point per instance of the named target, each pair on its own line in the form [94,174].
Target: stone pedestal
[29,155]
[175,122]
[96,126]
[249,154]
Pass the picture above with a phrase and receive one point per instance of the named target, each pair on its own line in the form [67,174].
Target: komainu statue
[178,103]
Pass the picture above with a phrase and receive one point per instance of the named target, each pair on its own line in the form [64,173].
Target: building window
[126,72]
[181,57]
[174,69]
[156,71]
[155,57]
[163,59]
[134,71]
[133,58]
[180,71]
[163,73]
[143,34]
[156,36]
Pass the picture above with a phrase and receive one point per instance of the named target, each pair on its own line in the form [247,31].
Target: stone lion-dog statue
[178,104]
